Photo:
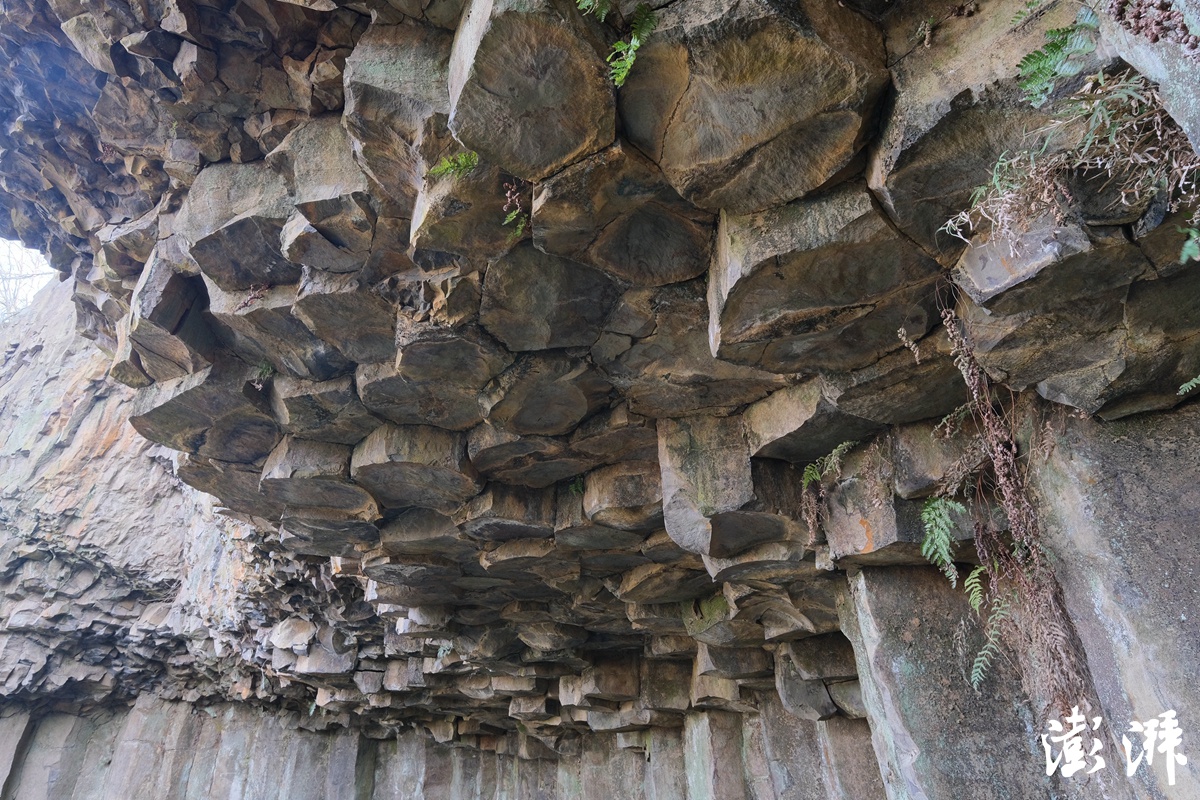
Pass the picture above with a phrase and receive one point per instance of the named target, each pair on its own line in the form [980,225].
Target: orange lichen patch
[869,546]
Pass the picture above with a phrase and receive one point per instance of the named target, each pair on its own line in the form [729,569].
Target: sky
[22,273]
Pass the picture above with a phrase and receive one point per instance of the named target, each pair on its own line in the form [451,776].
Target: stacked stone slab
[523,446]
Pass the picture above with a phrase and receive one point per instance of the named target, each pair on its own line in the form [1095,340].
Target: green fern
[826,465]
[1026,12]
[1192,384]
[812,474]
[459,166]
[973,586]
[938,546]
[991,646]
[598,7]
[624,53]
[644,22]
[520,220]
[1061,56]
[1191,245]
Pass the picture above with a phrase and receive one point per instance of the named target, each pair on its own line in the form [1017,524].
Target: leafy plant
[1000,611]
[576,486]
[925,31]
[1191,246]
[1063,55]
[624,53]
[514,204]
[1190,385]
[1116,128]
[826,465]
[938,545]
[973,586]
[459,166]
[1026,12]
[598,7]
[1020,582]
[812,490]
[264,373]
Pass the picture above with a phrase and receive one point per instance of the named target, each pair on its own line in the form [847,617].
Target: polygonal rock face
[705,465]
[235,484]
[396,105]
[328,411]
[534,461]
[1053,313]
[423,530]
[414,465]
[898,388]
[261,328]
[802,423]
[662,583]
[794,90]
[339,310]
[545,395]
[301,473]
[232,219]
[534,301]
[214,413]
[817,284]
[320,532]
[615,211]
[166,326]
[625,496]
[436,379]
[462,215]
[502,513]
[529,90]
[416,573]
[671,372]
[336,222]
[866,525]
[618,435]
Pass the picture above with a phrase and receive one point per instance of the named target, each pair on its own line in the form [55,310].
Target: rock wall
[449,415]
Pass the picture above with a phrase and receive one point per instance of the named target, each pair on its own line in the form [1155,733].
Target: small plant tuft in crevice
[515,208]
[1115,127]
[624,51]
[812,485]
[459,166]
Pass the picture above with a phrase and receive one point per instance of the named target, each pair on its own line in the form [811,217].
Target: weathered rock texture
[517,509]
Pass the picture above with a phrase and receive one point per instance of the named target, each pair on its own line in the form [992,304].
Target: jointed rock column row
[552,468]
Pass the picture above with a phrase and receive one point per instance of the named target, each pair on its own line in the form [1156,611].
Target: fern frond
[938,545]
[973,586]
[644,23]
[812,474]
[991,647]
[598,7]
[625,53]
[459,166]
[1191,246]
[1190,385]
[1060,57]
[833,462]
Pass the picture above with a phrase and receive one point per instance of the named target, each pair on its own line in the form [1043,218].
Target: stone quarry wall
[441,414]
